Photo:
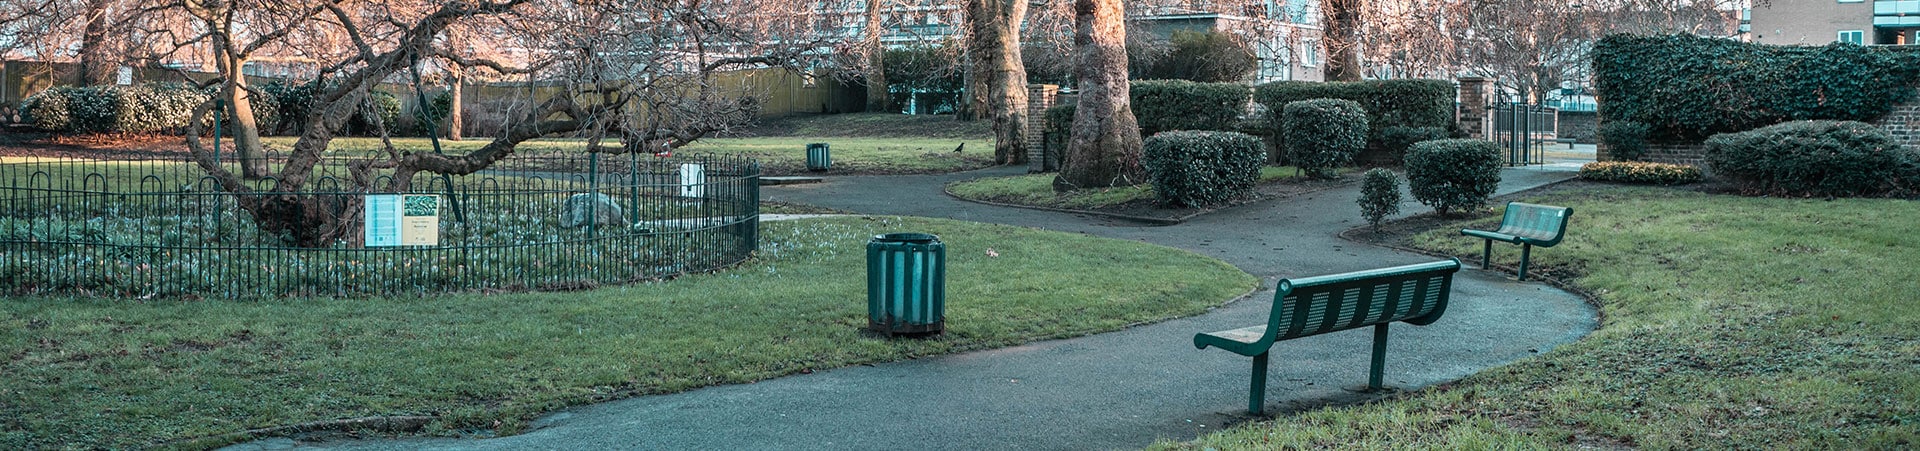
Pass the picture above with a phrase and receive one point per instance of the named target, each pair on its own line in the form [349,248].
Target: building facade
[1819,22]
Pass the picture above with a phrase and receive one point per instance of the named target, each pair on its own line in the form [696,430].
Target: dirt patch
[18,143]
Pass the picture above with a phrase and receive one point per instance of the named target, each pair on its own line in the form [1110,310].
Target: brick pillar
[1039,99]
[1473,106]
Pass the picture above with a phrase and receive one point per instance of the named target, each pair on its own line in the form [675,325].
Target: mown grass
[93,373]
[777,155]
[1730,322]
[1037,190]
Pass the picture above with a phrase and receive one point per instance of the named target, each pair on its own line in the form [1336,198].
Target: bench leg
[1379,356]
[1257,397]
[1486,256]
[1526,250]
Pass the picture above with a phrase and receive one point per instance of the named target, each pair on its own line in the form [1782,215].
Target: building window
[1855,37]
[1310,54]
[1852,1]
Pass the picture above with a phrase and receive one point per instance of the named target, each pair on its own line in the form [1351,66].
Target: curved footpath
[1116,390]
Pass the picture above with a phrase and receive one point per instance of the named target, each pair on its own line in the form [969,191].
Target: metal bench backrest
[1416,294]
[1542,224]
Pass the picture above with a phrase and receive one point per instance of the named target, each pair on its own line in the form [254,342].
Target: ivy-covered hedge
[1323,134]
[1164,105]
[1811,158]
[1625,140]
[146,108]
[1640,172]
[1197,168]
[1687,88]
[1389,103]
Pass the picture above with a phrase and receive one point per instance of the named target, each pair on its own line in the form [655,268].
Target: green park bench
[1416,294]
[1527,225]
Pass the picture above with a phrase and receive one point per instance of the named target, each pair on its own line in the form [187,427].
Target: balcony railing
[1895,8]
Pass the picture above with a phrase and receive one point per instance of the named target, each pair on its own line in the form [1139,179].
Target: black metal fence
[162,228]
[1523,131]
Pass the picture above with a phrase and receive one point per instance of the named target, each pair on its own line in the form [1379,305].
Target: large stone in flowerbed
[595,208]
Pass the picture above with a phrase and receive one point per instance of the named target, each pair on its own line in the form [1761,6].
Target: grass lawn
[1730,322]
[93,373]
[1037,190]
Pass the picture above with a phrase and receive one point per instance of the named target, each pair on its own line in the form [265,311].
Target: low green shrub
[1379,196]
[1165,105]
[1394,141]
[146,108]
[379,105]
[1058,130]
[1197,168]
[1625,140]
[1323,134]
[47,110]
[1810,158]
[1640,172]
[1453,175]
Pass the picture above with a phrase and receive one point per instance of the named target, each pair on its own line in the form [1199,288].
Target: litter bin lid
[906,238]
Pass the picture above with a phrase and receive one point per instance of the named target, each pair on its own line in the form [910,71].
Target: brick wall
[1687,154]
[1578,125]
[1903,123]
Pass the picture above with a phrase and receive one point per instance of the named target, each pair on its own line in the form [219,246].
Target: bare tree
[644,71]
[1342,21]
[1105,148]
[994,54]
[878,98]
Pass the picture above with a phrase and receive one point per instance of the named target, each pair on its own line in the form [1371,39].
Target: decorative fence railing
[1523,131]
[162,228]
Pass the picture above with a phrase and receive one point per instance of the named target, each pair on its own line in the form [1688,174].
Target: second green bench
[1527,225]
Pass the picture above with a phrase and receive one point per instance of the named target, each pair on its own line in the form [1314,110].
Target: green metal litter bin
[818,157]
[906,284]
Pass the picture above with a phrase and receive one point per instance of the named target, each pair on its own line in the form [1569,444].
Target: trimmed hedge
[1389,103]
[1396,140]
[1166,105]
[1811,158]
[1058,127]
[1625,140]
[146,108]
[1453,175]
[1323,134]
[1687,88]
[1198,168]
[1640,172]
[1379,196]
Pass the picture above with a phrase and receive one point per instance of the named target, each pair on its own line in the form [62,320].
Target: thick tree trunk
[95,69]
[973,100]
[245,129]
[996,29]
[878,98]
[1342,39]
[455,105]
[1105,148]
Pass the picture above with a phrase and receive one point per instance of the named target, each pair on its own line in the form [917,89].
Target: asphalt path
[1123,389]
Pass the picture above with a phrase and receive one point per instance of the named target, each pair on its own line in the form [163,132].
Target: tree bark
[244,128]
[94,67]
[878,98]
[973,98]
[1105,148]
[455,104]
[1342,39]
[996,25]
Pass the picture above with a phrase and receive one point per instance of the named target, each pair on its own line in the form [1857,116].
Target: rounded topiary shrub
[1395,140]
[1379,196]
[1809,158]
[1453,175]
[1323,134]
[1625,140]
[1197,168]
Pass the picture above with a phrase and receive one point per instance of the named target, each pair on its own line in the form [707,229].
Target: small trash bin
[906,284]
[818,157]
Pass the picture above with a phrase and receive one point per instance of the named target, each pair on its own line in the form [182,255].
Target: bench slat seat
[1527,225]
[1415,294]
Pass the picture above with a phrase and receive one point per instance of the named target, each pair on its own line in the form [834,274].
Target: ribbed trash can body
[906,284]
[818,157]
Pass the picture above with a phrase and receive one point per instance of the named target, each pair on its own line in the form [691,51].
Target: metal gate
[1523,131]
